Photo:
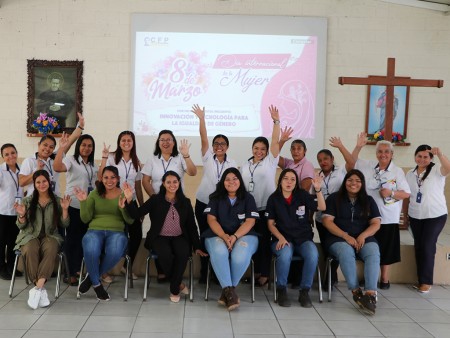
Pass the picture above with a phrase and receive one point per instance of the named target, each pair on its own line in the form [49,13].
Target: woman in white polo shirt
[427,209]
[258,174]
[215,162]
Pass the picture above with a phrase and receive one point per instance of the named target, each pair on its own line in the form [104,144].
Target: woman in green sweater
[104,210]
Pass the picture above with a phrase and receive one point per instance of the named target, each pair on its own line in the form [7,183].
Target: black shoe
[282,296]
[5,275]
[368,304]
[101,293]
[85,284]
[385,286]
[304,299]
[357,295]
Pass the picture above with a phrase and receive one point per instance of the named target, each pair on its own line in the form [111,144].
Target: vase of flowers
[379,135]
[46,124]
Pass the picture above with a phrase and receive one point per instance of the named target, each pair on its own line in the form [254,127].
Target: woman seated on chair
[105,242]
[230,239]
[352,218]
[39,216]
[287,217]
[173,233]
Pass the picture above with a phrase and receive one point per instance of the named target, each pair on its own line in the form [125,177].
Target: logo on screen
[156,40]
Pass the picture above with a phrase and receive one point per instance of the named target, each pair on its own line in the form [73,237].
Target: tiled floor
[401,312]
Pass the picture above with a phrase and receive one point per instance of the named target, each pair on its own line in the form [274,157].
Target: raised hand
[435,151]
[184,147]
[198,111]
[105,151]
[361,140]
[20,209]
[274,113]
[317,182]
[40,164]
[64,141]
[122,200]
[81,195]
[127,192]
[80,120]
[286,133]
[65,202]
[335,142]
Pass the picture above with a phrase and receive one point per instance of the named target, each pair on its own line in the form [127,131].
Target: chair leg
[13,278]
[253,280]
[328,270]
[319,281]
[208,276]
[274,267]
[127,277]
[146,280]
[58,276]
[191,279]
[80,279]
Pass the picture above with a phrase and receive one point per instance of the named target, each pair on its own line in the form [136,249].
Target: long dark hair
[35,201]
[425,147]
[280,179]
[162,190]
[101,189]
[77,149]
[158,151]
[361,197]
[221,192]
[51,138]
[118,154]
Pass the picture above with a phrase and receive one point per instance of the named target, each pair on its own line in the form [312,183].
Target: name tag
[301,210]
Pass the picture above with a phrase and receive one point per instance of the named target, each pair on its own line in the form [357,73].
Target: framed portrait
[55,95]
[376,109]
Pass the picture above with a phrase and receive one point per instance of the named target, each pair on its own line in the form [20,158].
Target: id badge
[419,197]
[18,200]
[251,186]
[90,188]
[53,185]
[301,211]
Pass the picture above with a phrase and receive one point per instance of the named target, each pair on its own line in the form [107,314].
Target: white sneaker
[34,298]
[44,301]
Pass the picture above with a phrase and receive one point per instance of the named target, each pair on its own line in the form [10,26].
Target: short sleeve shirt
[304,168]
[157,166]
[127,171]
[29,166]
[9,190]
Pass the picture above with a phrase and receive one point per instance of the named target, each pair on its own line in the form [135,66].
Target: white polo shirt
[81,175]
[263,176]
[127,172]
[9,190]
[156,167]
[393,178]
[212,172]
[432,203]
[29,166]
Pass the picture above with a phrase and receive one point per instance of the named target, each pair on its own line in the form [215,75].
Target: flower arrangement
[45,124]
[379,135]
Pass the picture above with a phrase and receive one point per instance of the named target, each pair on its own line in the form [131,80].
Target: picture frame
[55,88]
[375,109]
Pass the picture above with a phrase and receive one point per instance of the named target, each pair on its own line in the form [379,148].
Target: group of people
[240,214]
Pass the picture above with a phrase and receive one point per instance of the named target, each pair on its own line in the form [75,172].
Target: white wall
[362,35]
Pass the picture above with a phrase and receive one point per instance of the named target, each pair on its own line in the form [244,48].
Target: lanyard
[16,182]
[327,182]
[419,181]
[251,172]
[127,171]
[89,176]
[219,173]
[49,167]
[168,163]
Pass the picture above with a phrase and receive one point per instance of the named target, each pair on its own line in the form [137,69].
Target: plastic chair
[294,258]
[208,279]
[128,277]
[147,275]
[61,258]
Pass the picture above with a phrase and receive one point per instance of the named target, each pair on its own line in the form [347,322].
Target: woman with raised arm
[39,217]
[299,162]
[352,218]
[332,178]
[258,174]
[287,214]
[125,159]
[173,235]
[82,173]
[105,242]
[215,161]
[231,240]
[10,192]
[43,160]
[386,183]
[427,209]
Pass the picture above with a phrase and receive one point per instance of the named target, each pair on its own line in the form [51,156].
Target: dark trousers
[8,235]
[426,232]
[135,238]
[173,254]
[202,226]
[72,245]
[263,255]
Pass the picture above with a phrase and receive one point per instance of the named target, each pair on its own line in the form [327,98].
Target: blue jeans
[102,250]
[231,266]
[307,251]
[346,255]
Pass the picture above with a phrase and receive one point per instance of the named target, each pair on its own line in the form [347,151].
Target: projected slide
[236,76]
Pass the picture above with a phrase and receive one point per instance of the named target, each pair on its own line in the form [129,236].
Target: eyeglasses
[219,144]
[165,140]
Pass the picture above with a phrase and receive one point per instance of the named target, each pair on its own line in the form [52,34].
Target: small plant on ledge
[379,135]
[46,124]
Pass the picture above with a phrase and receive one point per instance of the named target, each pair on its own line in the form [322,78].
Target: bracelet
[276,121]
[235,236]
[80,127]
[317,191]
[105,157]
[186,156]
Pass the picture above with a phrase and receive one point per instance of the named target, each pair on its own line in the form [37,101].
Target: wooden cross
[390,81]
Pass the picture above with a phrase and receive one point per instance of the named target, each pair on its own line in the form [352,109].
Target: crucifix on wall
[390,81]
